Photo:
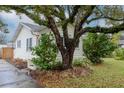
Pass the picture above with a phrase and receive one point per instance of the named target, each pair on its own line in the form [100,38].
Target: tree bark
[67,58]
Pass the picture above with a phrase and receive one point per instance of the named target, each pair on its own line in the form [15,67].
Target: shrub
[96,46]
[20,63]
[45,53]
[81,62]
[119,53]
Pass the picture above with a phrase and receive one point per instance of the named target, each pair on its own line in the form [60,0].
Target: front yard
[108,74]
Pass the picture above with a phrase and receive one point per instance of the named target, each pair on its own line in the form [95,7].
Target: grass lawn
[108,74]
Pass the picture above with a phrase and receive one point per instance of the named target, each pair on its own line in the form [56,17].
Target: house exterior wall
[22,52]
[121,43]
[26,33]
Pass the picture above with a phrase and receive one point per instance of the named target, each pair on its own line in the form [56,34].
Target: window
[28,44]
[121,37]
[19,44]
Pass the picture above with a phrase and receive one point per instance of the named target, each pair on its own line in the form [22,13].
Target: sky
[12,20]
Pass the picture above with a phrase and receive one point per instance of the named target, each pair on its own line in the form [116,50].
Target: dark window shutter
[20,43]
[30,43]
[26,44]
[17,44]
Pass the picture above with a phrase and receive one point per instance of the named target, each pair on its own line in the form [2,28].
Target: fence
[7,54]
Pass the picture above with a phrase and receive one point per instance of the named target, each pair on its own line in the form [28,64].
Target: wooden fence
[7,54]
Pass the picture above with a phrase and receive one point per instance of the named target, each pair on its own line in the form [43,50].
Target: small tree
[96,46]
[45,53]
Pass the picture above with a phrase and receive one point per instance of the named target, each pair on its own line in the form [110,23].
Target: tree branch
[85,17]
[65,34]
[78,26]
[104,17]
[55,30]
[61,12]
[73,14]
[105,30]
[30,15]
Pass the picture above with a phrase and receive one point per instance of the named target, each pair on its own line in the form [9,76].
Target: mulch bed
[19,63]
[55,77]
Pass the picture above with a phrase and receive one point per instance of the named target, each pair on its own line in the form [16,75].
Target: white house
[27,36]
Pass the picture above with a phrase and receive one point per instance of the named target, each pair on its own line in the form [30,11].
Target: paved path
[11,77]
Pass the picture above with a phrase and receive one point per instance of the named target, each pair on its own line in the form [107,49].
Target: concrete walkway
[11,77]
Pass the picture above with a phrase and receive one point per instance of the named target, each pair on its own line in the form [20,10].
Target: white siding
[21,52]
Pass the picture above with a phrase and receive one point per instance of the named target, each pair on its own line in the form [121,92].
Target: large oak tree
[80,16]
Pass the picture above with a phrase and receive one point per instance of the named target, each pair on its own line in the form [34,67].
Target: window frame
[18,43]
[28,44]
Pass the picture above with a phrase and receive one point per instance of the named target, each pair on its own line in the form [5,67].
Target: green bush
[96,46]
[45,53]
[119,53]
[81,62]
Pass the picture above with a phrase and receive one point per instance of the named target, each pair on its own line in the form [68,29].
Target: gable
[19,29]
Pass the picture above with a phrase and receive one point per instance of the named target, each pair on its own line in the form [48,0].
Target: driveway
[11,77]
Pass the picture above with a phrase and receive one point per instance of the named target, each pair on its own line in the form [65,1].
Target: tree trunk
[67,58]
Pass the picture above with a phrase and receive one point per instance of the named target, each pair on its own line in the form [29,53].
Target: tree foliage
[96,46]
